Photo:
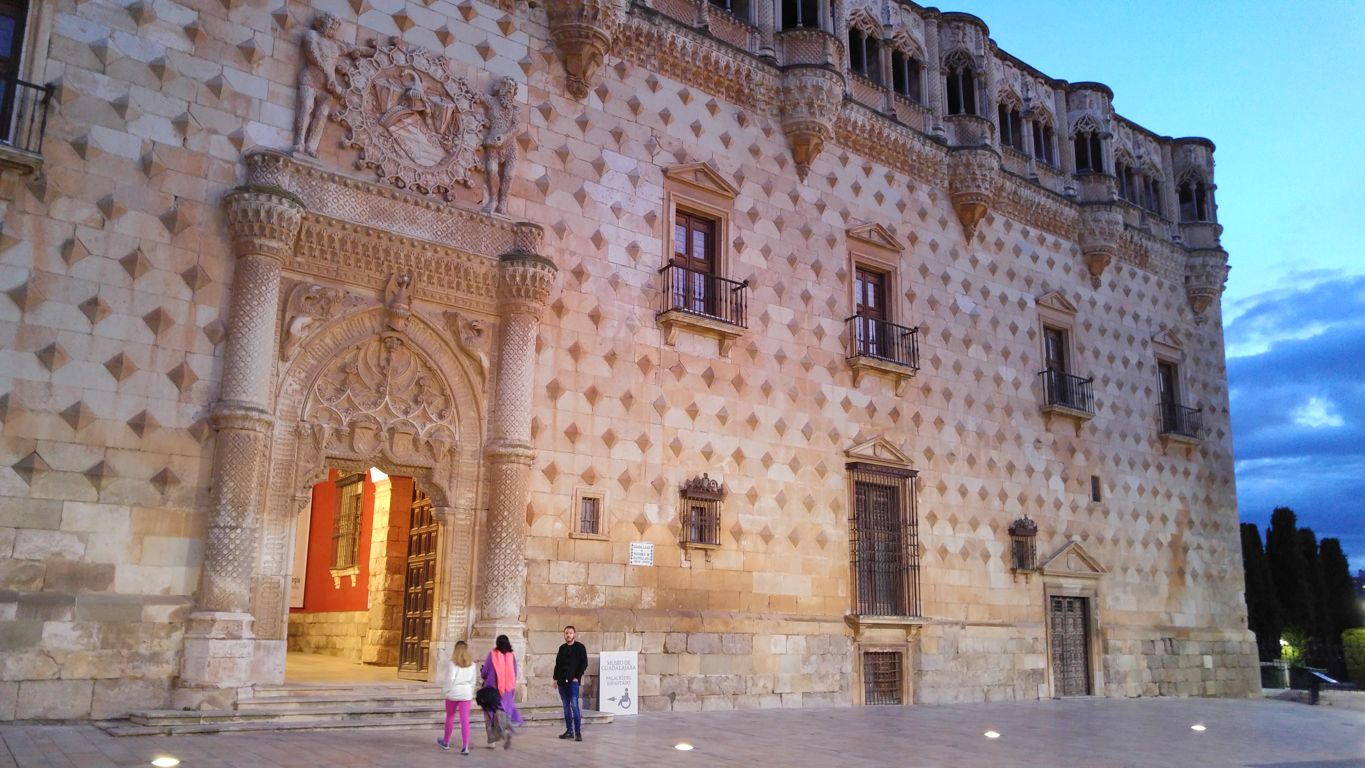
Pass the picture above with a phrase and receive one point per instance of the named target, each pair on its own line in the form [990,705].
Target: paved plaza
[1076,732]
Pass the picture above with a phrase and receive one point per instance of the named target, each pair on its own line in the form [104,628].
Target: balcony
[1070,397]
[882,348]
[23,119]
[1180,424]
[703,303]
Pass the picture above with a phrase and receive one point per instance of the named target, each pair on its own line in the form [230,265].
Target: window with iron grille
[589,514]
[882,679]
[346,522]
[884,541]
[701,501]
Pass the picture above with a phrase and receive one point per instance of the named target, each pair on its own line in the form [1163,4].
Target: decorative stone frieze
[1100,233]
[582,32]
[973,177]
[1206,272]
[811,101]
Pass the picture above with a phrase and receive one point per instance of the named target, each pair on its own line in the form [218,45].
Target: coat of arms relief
[415,122]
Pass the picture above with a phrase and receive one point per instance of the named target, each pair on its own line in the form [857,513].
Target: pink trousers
[463,708]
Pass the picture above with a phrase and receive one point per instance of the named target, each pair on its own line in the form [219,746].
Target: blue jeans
[568,696]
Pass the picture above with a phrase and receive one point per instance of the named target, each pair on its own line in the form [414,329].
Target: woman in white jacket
[461,676]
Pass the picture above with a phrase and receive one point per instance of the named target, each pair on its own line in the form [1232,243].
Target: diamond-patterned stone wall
[116,273]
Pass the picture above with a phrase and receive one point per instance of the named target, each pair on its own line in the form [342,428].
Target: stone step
[317,711]
[340,689]
[427,698]
[190,722]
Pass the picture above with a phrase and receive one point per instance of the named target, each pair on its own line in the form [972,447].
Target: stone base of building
[218,660]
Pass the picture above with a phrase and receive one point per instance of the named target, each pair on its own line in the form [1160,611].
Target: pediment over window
[876,235]
[703,177]
[1169,341]
[1056,302]
[880,451]
[1072,560]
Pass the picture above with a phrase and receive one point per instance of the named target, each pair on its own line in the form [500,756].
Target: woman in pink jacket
[500,671]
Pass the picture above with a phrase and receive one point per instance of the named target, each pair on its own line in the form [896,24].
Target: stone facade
[258,243]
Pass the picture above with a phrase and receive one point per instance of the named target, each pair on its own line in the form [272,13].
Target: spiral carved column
[219,645]
[524,283]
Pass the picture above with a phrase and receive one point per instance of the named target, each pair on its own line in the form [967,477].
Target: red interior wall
[320,592]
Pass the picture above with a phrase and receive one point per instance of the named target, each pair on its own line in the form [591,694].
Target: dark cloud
[1298,405]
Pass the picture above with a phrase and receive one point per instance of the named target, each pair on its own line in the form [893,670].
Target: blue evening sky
[1276,86]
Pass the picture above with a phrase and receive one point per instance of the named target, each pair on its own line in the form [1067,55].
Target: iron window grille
[882,678]
[1068,391]
[346,522]
[590,515]
[701,502]
[1023,544]
[884,340]
[884,541]
[1177,419]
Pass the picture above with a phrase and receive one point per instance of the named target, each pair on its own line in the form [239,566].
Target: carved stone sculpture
[322,55]
[417,125]
[582,32]
[398,301]
[811,100]
[973,177]
[500,146]
[1100,231]
[307,307]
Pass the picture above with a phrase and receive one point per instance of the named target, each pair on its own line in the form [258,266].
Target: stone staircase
[320,707]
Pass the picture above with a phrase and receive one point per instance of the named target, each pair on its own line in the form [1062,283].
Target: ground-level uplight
[683,746]
[165,761]
[1198,727]
[992,735]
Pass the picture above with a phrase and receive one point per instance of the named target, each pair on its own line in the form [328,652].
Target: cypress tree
[1312,587]
[1287,571]
[1343,612]
[1263,614]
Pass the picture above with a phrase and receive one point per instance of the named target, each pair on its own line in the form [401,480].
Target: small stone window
[1011,127]
[883,678]
[864,55]
[1194,201]
[1089,152]
[1023,547]
[1043,143]
[589,514]
[700,505]
[800,14]
[906,76]
[346,522]
[1096,493]
[960,83]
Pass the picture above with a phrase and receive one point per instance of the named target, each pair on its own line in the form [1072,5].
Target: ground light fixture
[1199,727]
[991,734]
[165,761]
[683,746]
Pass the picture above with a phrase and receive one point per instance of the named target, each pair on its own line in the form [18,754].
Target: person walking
[500,671]
[570,664]
[460,676]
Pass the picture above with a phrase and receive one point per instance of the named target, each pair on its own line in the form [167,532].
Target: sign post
[618,687]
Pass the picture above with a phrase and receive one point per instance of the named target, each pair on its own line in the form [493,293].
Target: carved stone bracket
[811,102]
[582,31]
[973,178]
[1206,272]
[1101,230]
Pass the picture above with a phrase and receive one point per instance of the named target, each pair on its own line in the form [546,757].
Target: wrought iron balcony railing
[883,340]
[1063,390]
[1179,420]
[708,295]
[23,114]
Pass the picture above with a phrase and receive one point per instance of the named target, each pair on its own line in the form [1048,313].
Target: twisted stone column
[524,283]
[262,223]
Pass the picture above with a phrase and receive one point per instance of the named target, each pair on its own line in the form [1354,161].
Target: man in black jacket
[570,664]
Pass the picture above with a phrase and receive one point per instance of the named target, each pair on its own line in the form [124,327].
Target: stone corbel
[973,178]
[1101,228]
[1206,272]
[811,101]
[582,31]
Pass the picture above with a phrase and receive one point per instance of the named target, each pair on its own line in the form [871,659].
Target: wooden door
[419,590]
[694,251]
[12,17]
[1069,620]
[869,289]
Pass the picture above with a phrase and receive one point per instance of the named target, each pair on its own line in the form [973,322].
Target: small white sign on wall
[641,553]
[301,526]
[618,682]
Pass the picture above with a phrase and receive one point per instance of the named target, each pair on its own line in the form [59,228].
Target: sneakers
[464,751]
[578,737]
[443,744]
[567,735]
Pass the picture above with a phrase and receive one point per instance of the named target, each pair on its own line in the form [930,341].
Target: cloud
[1296,368]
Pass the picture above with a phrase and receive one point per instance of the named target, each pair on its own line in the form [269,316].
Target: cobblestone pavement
[1080,732]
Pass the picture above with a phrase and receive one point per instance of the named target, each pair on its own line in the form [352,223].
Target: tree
[1263,613]
[1340,606]
[1287,570]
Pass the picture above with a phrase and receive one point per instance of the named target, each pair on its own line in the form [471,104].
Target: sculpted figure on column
[500,146]
[322,54]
